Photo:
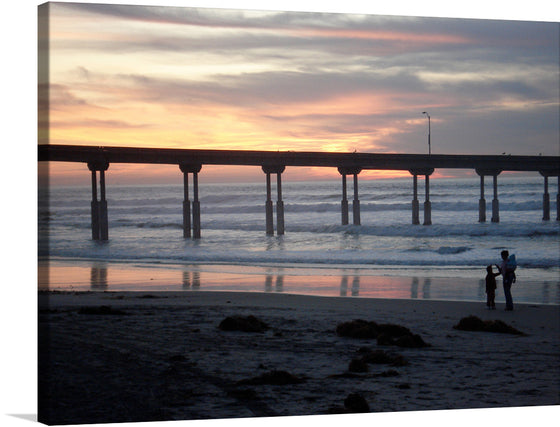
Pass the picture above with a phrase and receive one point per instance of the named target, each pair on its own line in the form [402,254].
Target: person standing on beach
[507,277]
[491,288]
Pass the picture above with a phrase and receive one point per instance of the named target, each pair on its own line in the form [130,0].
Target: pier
[191,161]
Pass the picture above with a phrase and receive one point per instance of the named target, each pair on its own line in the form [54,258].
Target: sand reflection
[278,281]
[99,277]
[426,288]
[191,279]
[105,276]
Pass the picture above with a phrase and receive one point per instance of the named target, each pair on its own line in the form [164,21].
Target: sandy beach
[137,356]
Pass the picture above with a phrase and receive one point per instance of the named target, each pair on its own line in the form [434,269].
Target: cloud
[61,96]
[99,124]
[305,80]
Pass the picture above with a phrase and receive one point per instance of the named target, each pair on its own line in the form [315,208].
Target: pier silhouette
[191,161]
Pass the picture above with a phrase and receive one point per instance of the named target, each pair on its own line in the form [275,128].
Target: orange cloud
[416,38]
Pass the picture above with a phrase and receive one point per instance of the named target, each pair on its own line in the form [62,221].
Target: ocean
[384,257]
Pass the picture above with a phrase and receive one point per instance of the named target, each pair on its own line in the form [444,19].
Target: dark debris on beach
[353,403]
[243,323]
[473,323]
[385,334]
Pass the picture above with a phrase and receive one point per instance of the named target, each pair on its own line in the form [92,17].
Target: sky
[176,77]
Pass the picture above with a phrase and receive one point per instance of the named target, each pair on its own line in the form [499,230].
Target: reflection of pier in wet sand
[355,289]
[425,288]
[99,277]
[191,279]
[278,281]
[116,277]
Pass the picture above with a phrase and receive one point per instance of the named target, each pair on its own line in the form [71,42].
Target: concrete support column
[344,202]
[279,206]
[268,208]
[415,203]
[187,211]
[196,208]
[356,201]
[99,216]
[546,201]
[495,202]
[94,206]
[546,197]
[268,170]
[186,207]
[103,216]
[482,202]
[427,204]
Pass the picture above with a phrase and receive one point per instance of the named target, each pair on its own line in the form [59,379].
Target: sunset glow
[259,80]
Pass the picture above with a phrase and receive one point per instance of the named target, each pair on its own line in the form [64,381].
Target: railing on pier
[190,161]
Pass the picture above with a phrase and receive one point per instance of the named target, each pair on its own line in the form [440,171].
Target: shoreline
[413,283]
[169,344]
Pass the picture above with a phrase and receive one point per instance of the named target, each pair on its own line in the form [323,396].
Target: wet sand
[450,284]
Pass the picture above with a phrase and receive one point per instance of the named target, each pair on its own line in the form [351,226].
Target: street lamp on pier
[429,133]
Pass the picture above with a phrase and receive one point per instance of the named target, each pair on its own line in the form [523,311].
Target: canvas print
[249,213]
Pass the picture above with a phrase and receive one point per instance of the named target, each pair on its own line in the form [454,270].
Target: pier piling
[268,208]
[344,202]
[103,216]
[356,200]
[187,168]
[427,203]
[269,211]
[186,207]
[482,202]
[495,202]
[196,208]
[94,205]
[546,201]
[546,197]
[99,215]
[279,206]
[415,203]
